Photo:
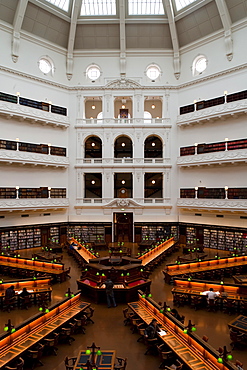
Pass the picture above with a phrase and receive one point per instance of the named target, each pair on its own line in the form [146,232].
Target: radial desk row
[189,347]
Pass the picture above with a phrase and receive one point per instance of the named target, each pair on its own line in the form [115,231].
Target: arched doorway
[123,227]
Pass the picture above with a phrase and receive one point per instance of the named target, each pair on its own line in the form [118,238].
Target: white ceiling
[123,33]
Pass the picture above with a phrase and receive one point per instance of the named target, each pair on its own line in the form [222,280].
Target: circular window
[153,72]
[45,65]
[199,65]
[93,72]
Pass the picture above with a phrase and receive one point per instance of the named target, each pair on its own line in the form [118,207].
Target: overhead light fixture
[123,106]
[93,144]
[153,144]
[93,105]
[153,106]
[93,182]
[123,144]
[18,93]
[153,182]
[225,92]
[123,182]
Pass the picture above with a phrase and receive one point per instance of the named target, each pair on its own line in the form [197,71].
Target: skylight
[62,4]
[180,4]
[98,7]
[145,7]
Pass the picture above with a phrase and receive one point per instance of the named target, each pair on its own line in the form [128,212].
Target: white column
[138,106]
[108,106]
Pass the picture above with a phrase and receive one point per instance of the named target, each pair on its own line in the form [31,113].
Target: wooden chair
[211,305]
[120,363]
[65,335]
[237,339]
[127,316]
[89,314]
[50,345]
[205,338]
[69,362]
[9,304]
[33,358]
[25,302]
[80,325]
[141,331]
[196,302]
[16,365]
[167,356]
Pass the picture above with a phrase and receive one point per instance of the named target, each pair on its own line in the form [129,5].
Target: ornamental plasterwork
[33,203]
[222,111]
[123,84]
[33,158]
[232,156]
[33,115]
[123,202]
[232,205]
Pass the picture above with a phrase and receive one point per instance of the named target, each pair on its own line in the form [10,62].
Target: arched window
[46,65]
[147,117]
[123,147]
[93,147]
[199,65]
[153,72]
[153,147]
[93,72]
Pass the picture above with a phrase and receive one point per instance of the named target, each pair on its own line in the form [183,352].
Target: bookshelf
[8,145]
[190,235]
[229,240]
[7,193]
[54,234]
[87,233]
[202,104]
[187,193]
[188,150]
[58,192]
[55,150]
[9,98]
[214,147]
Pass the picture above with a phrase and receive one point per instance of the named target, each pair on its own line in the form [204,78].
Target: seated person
[175,313]
[211,294]
[10,292]
[152,330]
[24,293]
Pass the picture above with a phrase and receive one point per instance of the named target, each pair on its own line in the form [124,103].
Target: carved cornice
[33,115]
[231,205]
[221,112]
[123,84]
[33,204]
[123,202]
[231,156]
[36,159]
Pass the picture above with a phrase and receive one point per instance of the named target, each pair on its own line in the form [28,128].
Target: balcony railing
[127,201]
[11,205]
[233,156]
[123,121]
[111,161]
[206,115]
[231,205]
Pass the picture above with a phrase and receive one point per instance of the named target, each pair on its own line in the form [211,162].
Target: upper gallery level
[215,153]
[17,152]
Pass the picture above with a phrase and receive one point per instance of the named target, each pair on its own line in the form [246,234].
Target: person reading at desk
[211,294]
[10,292]
[25,298]
[152,330]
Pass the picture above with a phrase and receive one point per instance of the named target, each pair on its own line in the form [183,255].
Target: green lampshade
[97,273]
[72,295]
[189,279]
[128,274]
[222,282]
[6,328]
[47,310]
[218,258]
[143,296]
[229,357]
[189,250]
[168,309]
[141,270]
[150,295]
[66,295]
[161,311]
[1,281]
[13,330]
[88,351]
[178,262]
[34,278]
[193,328]
[200,260]
[220,360]
[122,274]
[120,251]
[19,255]
[185,331]
[40,309]
[103,274]
[99,352]
[86,270]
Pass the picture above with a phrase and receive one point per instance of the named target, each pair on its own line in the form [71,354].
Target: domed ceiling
[123,25]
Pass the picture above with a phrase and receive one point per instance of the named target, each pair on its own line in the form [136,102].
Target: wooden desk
[56,270]
[80,251]
[34,287]
[47,257]
[146,244]
[196,288]
[240,279]
[191,349]
[239,324]
[38,327]
[209,265]
[156,252]
[192,257]
[105,361]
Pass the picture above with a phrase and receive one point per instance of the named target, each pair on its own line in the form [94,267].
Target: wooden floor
[108,332]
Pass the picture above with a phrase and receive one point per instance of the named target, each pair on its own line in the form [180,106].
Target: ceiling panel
[155,35]
[237,9]
[97,36]
[7,10]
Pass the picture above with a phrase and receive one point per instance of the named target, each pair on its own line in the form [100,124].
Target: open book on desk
[162,332]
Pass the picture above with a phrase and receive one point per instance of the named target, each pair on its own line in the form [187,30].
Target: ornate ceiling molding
[123,84]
